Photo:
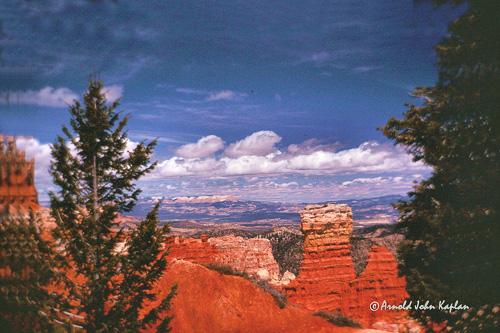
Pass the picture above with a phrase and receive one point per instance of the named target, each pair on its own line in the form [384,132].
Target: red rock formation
[191,249]
[327,269]
[208,301]
[378,282]
[327,280]
[17,179]
[248,256]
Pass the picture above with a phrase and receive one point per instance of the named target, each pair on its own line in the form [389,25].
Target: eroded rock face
[17,179]
[193,250]
[253,256]
[377,283]
[246,255]
[327,280]
[327,268]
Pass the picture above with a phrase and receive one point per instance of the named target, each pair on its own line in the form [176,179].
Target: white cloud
[363,69]
[258,144]
[177,167]
[43,157]
[228,95]
[47,96]
[211,96]
[190,91]
[256,155]
[205,147]
[251,165]
[312,145]
[113,92]
[376,180]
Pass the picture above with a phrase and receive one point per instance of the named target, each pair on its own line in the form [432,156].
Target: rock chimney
[327,267]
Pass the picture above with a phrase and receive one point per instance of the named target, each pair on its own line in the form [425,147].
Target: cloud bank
[257,154]
[257,168]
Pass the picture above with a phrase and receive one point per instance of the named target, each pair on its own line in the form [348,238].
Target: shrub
[279,297]
[227,270]
[338,319]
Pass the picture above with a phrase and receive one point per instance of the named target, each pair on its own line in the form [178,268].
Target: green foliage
[287,249]
[227,270]
[338,319]
[26,265]
[280,298]
[360,249]
[452,248]
[96,178]
[484,319]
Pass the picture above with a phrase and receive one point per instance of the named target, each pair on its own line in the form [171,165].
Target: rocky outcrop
[327,280]
[253,256]
[193,250]
[17,179]
[247,255]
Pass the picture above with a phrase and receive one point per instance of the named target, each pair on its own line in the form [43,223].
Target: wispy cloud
[228,95]
[47,96]
[211,96]
[113,92]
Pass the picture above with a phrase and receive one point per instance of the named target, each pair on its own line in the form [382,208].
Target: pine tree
[452,248]
[96,180]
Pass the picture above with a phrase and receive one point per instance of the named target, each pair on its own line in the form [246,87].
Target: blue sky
[264,100]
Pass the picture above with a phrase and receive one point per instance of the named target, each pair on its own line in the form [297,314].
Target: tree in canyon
[96,173]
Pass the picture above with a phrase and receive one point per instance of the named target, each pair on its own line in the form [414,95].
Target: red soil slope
[208,301]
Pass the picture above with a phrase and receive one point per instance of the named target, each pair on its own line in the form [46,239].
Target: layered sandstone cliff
[327,280]
[327,267]
[253,256]
[247,255]
[194,250]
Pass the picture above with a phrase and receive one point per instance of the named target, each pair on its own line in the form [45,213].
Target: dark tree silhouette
[452,248]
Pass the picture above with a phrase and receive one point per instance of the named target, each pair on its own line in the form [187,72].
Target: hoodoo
[327,267]
[327,280]
[17,179]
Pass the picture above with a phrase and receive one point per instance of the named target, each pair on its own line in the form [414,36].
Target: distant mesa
[198,199]
[204,199]
[17,179]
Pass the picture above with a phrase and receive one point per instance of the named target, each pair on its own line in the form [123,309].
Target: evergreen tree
[452,248]
[26,274]
[96,180]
